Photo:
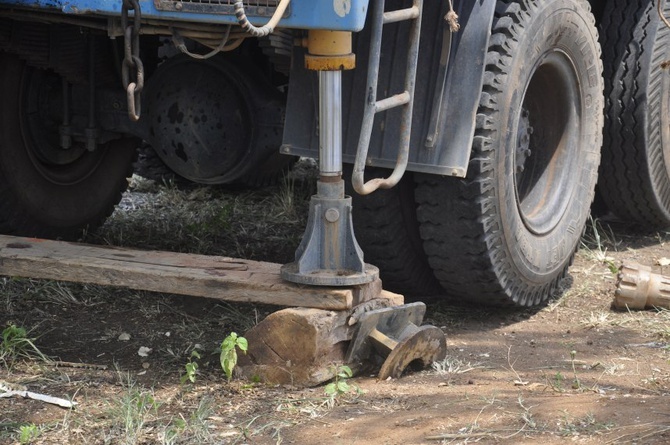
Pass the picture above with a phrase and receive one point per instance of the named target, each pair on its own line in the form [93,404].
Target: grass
[262,224]
[452,366]
[129,414]
[586,425]
[596,242]
[193,428]
[17,345]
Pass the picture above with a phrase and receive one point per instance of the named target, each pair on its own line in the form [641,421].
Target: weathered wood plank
[178,273]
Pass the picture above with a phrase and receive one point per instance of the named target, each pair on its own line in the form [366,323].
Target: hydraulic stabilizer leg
[329,254]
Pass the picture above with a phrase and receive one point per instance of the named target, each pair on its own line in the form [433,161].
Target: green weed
[192,429]
[229,349]
[16,344]
[28,433]
[191,368]
[340,385]
[130,413]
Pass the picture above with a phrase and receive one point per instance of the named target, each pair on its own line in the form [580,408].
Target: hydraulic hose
[265,29]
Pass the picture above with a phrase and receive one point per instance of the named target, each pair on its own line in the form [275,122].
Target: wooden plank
[216,277]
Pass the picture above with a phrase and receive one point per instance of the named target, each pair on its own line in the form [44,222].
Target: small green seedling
[191,368]
[28,433]
[339,386]
[229,352]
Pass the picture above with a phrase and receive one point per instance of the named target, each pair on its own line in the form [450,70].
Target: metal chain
[131,60]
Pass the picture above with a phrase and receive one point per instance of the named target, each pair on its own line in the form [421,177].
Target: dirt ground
[573,370]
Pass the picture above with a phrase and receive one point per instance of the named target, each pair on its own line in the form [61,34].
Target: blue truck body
[344,15]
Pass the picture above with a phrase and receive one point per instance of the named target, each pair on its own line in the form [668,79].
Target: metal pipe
[392,102]
[401,15]
[372,106]
[330,123]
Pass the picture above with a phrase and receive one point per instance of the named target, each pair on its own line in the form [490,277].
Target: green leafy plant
[340,385]
[16,344]
[556,382]
[191,368]
[28,433]
[229,349]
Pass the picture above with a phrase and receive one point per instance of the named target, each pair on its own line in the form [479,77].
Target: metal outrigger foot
[329,254]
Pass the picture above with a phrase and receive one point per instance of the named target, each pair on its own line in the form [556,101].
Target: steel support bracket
[329,254]
[395,334]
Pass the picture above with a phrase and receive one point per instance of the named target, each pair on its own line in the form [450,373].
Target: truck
[471,133]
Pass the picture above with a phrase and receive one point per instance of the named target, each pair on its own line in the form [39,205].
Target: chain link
[132,69]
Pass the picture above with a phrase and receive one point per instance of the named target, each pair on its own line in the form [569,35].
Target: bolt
[454,172]
[178,6]
[332,215]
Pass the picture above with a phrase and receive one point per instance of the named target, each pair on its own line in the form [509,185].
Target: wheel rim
[665,124]
[40,111]
[547,143]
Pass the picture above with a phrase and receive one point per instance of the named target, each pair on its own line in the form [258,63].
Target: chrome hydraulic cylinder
[328,254]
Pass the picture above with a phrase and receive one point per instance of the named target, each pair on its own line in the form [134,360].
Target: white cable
[265,29]
[179,43]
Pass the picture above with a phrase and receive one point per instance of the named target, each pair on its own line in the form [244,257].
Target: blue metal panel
[345,15]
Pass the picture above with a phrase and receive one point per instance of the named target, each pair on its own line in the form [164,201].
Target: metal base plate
[290,272]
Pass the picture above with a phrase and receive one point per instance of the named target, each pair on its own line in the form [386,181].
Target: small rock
[144,351]
[124,336]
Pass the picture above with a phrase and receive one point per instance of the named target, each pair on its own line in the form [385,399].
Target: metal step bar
[404,99]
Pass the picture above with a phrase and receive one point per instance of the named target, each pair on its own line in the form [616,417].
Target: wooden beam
[216,277]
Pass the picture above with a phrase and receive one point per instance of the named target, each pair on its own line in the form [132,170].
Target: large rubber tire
[217,121]
[387,230]
[508,232]
[635,170]
[46,191]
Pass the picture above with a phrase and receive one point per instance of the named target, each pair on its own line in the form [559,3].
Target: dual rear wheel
[507,233]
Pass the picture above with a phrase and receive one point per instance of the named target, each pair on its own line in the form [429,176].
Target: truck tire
[46,191]
[216,121]
[508,232]
[635,170]
[387,230]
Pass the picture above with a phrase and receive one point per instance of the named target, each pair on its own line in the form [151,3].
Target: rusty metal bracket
[395,334]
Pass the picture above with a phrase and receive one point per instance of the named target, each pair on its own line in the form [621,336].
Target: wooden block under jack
[222,278]
[302,346]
